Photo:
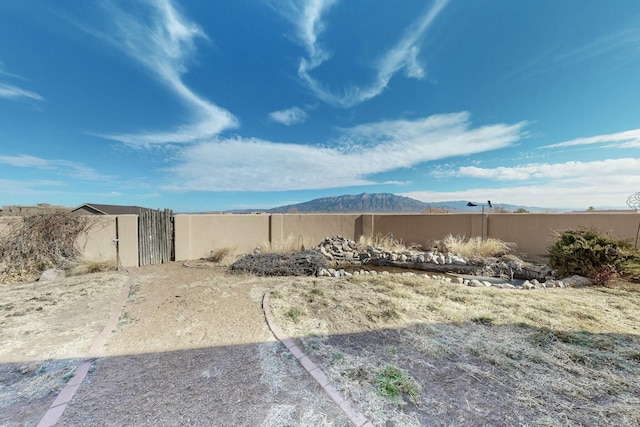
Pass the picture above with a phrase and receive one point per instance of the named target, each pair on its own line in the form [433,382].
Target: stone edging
[355,416]
[55,411]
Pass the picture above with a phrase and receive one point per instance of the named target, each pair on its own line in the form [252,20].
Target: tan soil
[191,348]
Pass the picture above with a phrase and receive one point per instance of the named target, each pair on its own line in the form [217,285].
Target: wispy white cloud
[244,164]
[11,91]
[34,187]
[4,72]
[621,46]
[622,40]
[567,170]
[559,185]
[626,139]
[62,167]
[309,22]
[164,43]
[290,116]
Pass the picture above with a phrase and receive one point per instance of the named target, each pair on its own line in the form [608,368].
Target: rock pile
[344,252]
[341,249]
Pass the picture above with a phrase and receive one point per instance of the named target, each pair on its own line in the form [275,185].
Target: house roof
[99,209]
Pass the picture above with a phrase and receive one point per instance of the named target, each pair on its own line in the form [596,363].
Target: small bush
[295,314]
[394,384]
[224,256]
[42,241]
[590,253]
[476,246]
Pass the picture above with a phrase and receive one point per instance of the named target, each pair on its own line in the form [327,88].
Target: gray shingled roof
[111,209]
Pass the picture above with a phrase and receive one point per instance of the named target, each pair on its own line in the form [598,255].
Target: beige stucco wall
[424,229]
[534,233]
[100,244]
[128,240]
[197,235]
[311,229]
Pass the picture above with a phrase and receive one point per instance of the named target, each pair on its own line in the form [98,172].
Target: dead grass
[225,256]
[478,355]
[477,247]
[290,244]
[88,266]
[385,242]
[41,241]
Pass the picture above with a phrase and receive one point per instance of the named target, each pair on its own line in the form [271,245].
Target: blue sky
[206,106]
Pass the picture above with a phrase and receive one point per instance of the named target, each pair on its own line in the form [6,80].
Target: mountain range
[386,203]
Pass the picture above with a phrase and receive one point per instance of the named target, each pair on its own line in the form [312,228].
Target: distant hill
[385,203]
[377,202]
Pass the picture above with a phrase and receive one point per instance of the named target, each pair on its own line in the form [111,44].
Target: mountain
[378,202]
[386,203]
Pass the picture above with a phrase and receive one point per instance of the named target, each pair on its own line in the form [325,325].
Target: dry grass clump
[225,256]
[41,241]
[476,246]
[498,357]
[89,265]
[290,244]
[385,242]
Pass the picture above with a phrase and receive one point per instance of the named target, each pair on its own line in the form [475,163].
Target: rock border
[57,408]
[355,416]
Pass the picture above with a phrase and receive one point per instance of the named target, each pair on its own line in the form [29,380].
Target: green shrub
[590,253]
[394,384]
[295,314]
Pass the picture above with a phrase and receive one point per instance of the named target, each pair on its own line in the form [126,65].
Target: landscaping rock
[52,275]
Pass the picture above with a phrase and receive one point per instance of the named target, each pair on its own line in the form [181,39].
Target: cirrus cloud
[290,116]
[251,164]
[309,21]
[11,92]
[163,42]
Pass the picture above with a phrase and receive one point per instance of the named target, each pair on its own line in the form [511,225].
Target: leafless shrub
[305,263]
[41,241]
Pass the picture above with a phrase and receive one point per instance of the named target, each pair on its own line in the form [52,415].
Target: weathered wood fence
[155,236]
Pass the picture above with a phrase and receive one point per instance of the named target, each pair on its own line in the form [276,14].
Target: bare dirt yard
[192,348]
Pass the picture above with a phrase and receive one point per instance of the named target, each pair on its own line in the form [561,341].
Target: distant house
[20,210]
[96,209]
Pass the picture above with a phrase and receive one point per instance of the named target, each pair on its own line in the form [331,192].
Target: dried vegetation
[306,263]
[472,356]
[476,246]
[39,242]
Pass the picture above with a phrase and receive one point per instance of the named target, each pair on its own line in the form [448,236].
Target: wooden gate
[155,237]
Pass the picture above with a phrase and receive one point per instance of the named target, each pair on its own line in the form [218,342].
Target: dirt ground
[409,351]
[191,348]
